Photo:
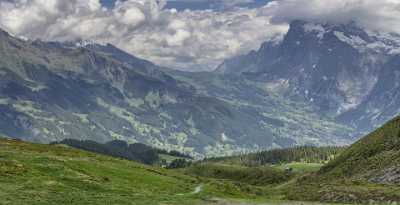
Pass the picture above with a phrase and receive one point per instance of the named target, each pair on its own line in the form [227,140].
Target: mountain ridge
[341,69]
[313,88]
[51,91]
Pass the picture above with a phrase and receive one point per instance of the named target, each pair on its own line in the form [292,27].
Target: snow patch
[277,86]
[318,29]
[84,43]
[225,138]
[377,42]
[354,41]
[355,88]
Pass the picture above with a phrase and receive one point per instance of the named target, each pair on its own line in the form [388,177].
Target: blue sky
[107,3]
[198,4]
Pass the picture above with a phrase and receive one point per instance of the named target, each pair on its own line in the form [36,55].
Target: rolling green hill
[370,157]
[366,171]
[57,174]
[261,176]
[44,174]
[37,174]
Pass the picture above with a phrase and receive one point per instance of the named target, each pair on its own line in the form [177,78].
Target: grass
[375,152]
[347,178]
[316,188]
[299,167]
[43,174]
[265,202]
[259,176]
[38,174]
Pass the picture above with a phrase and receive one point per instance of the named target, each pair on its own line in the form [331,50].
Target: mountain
[52,91]
[348,73]
[366,171]
[321,85]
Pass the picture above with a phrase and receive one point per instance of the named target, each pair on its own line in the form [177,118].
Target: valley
[122,97]
[199,102]
[362,173]
[247,104]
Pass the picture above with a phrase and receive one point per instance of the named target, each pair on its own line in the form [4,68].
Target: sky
[189,35]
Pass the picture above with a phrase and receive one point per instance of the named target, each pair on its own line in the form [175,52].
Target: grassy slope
[42,174]
[377,151]
[347,177]
[258,176]
[299,167]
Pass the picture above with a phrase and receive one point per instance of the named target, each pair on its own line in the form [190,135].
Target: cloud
[186,39]
[382,15]
[209,4]
[190,40]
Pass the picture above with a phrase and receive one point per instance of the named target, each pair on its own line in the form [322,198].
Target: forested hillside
[135,152]
[306,154]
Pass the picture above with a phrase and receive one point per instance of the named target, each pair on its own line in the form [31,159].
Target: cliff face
[347,72]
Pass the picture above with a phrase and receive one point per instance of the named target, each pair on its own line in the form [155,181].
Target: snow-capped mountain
[347,72]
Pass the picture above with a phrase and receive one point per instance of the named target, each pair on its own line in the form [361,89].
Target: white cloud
[185,39]
[190,39]
[379,15]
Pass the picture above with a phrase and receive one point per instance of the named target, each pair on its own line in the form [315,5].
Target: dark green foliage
[179,163]
[259,176]
[175,153]
[305,154]
[136,152]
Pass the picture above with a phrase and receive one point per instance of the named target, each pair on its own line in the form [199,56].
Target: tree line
[306,154]
[117,148]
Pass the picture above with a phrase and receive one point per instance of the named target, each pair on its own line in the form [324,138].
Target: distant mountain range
[348,73]
[322,85]
[51,91]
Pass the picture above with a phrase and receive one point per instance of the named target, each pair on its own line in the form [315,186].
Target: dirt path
[198,189]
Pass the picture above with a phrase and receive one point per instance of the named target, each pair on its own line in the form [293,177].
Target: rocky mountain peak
[3,33]
[338,68]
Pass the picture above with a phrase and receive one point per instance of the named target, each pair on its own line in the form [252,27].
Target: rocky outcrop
[387,176]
